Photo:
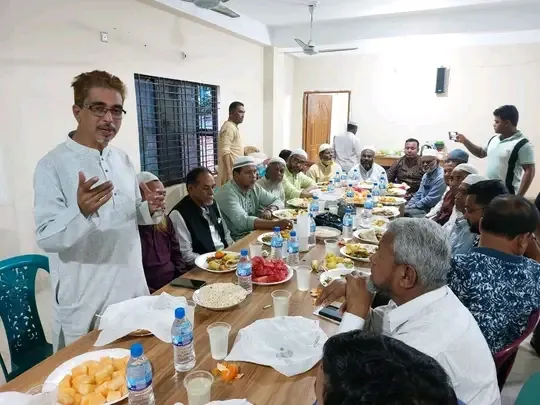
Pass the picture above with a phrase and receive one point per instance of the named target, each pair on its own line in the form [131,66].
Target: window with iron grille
[178,126]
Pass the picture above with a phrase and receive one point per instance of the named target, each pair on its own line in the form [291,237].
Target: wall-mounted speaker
[440,85]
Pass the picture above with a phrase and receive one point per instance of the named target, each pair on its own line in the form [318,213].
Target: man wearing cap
[368,170]
[326,168]
[408,169]
[297,181]
[273,180]
[230,142]
[347,147]
[431,188]
[458,156]
[245,205]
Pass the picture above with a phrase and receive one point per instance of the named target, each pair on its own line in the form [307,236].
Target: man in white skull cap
[367,170]
[297,181]
[326,168]
[273,180]
[347,147]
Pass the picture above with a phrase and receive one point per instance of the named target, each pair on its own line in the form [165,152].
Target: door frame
[304,110]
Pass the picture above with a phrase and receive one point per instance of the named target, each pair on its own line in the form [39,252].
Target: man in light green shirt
[244,204]
[295,181]
[273,181]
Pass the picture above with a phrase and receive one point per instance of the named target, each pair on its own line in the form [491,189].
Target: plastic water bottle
[382,185]
[293,248]
[182,340]
[337,179]
[350,191]
[368,211]
[276,245]
[376,192]
[139,378]
[343,178]
[354,176]
[314,206]
[243,270]
[312,229]
[330,187]
[348,224]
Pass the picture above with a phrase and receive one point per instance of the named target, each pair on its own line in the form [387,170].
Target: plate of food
[358,251]
[332,262]
[387,212]
[325,232]
[358,199]
[392,200]
[364,185]
[396,192]
[219,296]
[266,238]
[328,276]
[376,222]
[270,272]
[218,262]
[298,202]
[291,214]
[403,186]
[372,235]
[97,377]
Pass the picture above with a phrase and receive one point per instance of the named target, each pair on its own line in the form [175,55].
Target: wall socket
[104,36]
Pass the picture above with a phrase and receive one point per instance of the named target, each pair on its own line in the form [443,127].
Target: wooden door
[317,123]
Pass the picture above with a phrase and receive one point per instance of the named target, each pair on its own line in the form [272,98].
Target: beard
[474,228]
[372,288]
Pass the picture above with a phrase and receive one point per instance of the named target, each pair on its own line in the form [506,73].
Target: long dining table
[260,385]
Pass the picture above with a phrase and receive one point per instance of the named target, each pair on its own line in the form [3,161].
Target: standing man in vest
[510,155]
[197,218]
[347,149]
[230,145]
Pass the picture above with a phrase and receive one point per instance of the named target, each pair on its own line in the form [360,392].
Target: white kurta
[94,261]
[372,176]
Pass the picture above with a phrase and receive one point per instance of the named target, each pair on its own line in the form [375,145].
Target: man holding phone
[510,156]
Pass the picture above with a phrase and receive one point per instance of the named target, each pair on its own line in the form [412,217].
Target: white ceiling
[357,22]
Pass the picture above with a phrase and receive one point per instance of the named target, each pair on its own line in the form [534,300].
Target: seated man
[161,256]
[245,205]
[358,367]
[197,218]
[295,176]
[368,170]
[285,154]
[495,281]
[408,169]
[411,265]
[326,168]
[273,180]
[459,173]
[431,188]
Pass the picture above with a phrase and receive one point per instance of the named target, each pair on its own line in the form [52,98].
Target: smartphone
[330,312]
[452,135]
[187,283]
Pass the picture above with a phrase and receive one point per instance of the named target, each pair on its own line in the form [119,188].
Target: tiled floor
[527,362]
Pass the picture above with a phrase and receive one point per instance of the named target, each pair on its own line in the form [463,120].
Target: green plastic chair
[18,309]
[530,392]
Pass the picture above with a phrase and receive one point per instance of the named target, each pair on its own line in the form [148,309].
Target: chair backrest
[18,308]
[530,392]
[501,356]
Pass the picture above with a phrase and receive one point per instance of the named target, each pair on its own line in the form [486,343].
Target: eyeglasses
[100,111]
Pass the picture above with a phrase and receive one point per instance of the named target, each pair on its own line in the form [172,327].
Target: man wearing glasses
[87,205]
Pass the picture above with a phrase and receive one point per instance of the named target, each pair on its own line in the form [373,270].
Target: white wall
[44,44]
[393,93]
[340,111]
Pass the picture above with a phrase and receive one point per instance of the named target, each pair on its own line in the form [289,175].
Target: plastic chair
[530,392]
[504,359]
[18,309]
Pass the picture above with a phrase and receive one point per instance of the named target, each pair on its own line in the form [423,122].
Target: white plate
[378,212]
[64,369]
[374,218]
[336,274]
[332,232]
[365,186]
[197,298]
[201,262]
[370,248]
[260,239]
[290,275]
[299,203]
[398,201]
[396,192]
[286,214]
[403,186]
[358,234]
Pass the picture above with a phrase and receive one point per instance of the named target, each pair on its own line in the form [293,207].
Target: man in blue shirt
[431,189]
[498,285]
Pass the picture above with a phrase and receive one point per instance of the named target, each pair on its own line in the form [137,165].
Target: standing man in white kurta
[87,205]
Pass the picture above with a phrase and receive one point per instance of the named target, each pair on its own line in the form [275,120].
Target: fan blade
[221,9]
[337,50]
[189,1]
[302,44]
[295,52]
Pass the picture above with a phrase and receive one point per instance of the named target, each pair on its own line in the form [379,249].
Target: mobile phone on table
[330,312]
[452,135]
[188,283]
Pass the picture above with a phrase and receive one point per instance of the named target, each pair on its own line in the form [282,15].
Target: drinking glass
[199,387]
[280,300]
[218,333]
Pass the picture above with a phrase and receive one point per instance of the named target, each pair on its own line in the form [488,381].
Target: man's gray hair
[423,245]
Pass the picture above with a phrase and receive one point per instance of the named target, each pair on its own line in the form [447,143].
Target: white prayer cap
[146,177]
[467,168]
[430,152]
[324,147]
[276,160]
[299,152]
[243,161]
[352,123]
[368,147]
[473,179]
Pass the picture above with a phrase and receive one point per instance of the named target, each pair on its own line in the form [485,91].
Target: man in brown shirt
[229,142]
[408,169]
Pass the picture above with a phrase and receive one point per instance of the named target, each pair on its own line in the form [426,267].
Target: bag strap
[512,165]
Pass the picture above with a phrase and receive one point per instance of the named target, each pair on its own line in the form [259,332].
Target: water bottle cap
[369,195]
[277,229]
[355,170]
[137,350]
[348,210]
[375,184]
[350,184]
[292,233]
[244,252]
[179,312]
[315,197]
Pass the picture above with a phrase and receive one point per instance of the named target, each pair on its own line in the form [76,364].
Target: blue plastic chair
[530,392]
[18,309]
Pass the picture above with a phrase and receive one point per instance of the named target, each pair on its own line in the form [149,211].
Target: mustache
[108,128]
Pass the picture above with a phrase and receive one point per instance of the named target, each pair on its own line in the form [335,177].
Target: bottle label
[277,244]
[293,248]
[183,340]
[140,379]
[243,271]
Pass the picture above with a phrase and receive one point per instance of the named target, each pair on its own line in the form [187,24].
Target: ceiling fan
[309,48]
[215,5]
